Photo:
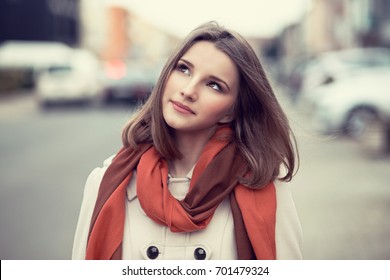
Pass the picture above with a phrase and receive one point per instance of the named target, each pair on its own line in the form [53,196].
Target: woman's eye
[184,69]
[215,86]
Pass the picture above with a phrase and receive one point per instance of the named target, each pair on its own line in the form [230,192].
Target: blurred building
[375,29]
[331,25]
[339,24]
[108,28]
[132,50]
[335,24]
[113,31]
[40,20]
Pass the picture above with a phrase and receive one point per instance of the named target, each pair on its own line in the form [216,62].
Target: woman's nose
[190,90]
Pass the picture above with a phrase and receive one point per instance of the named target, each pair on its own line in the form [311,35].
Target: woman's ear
[227,119]
[229,116]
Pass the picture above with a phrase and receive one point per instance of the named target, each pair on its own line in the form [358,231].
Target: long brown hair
[261,129]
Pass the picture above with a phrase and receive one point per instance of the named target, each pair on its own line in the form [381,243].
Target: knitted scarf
[215,177]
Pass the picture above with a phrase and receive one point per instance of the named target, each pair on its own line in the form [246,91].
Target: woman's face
[201,90]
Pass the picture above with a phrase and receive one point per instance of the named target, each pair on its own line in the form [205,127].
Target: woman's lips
[181,108]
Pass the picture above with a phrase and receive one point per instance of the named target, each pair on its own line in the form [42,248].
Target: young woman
[203,169]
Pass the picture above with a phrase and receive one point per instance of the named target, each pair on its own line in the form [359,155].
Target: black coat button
[152,252]
[200,254]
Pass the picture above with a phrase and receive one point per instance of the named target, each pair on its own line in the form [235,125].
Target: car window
[59,70]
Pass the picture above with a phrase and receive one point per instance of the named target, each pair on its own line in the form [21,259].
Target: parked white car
[333,66]
[352,104]
[30,58]
[77,80]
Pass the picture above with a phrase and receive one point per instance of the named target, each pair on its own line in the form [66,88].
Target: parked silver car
[76,80]
[332,66]
[352,104]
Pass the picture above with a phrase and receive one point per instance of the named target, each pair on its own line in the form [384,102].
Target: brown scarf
[215,177]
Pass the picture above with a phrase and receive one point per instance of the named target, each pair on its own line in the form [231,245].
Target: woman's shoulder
[108,161]
[102,169]
[96,175]
[283,190]
[289,236]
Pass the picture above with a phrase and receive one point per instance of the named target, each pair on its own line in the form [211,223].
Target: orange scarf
[215,177]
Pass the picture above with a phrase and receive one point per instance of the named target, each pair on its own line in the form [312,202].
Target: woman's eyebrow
[187,62]
[220,80]
[211,76]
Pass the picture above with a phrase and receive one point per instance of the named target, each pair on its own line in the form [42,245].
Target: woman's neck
[190,146]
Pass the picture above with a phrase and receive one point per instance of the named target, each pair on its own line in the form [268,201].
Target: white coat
[145,239]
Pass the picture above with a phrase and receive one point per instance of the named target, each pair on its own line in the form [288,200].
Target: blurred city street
[329,62]
[342,194]
[45,160]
